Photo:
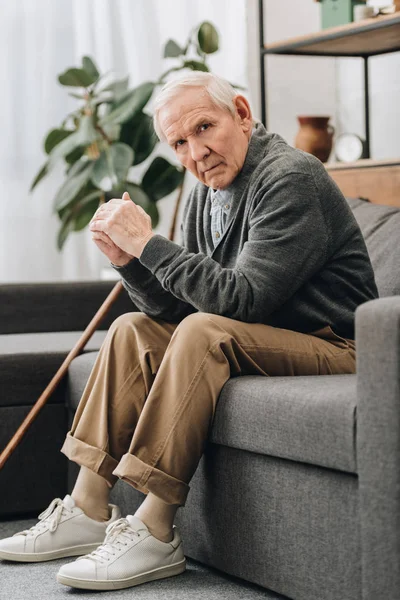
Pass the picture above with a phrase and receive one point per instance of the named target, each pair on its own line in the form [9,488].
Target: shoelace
[49,518]
[118,534]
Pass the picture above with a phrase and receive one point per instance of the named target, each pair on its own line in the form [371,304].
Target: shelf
[364,38]
[365,163]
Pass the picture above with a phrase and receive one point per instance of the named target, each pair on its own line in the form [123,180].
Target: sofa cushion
[380,226]
[303,418]
[57,306]
[28,361]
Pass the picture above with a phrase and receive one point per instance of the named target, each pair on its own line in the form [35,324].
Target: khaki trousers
[149,403]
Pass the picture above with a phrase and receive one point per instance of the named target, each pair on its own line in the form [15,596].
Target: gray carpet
[37,581]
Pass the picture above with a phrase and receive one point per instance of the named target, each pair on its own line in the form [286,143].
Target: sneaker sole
[44,556]
[118,584]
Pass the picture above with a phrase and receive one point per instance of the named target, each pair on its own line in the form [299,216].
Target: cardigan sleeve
[286,245]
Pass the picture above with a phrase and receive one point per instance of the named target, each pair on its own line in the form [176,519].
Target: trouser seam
[131,374]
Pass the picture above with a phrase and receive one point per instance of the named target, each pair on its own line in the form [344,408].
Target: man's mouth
[211,168]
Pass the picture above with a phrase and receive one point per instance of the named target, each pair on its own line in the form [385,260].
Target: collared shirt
[220,207]
[221,202]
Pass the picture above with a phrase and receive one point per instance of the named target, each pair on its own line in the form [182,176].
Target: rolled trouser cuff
[91,457]
[146,478]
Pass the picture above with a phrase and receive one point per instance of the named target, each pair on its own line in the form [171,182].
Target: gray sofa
[299,487]
[39,324]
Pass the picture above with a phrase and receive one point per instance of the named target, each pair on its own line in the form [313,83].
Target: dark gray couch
[39,324]
[299,487]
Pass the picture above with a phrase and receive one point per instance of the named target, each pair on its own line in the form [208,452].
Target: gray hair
[220,91]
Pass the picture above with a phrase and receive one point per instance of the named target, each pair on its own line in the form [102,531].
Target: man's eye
[204,127]
[179,143]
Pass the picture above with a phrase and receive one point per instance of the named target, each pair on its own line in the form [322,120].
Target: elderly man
[271,268]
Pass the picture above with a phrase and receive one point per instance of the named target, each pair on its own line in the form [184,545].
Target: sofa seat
[286,417]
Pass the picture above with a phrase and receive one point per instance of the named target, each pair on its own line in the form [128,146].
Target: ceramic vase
[315,136]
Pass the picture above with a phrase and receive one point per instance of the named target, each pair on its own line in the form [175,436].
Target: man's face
[209,141]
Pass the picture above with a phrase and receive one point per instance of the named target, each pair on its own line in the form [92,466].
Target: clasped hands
[121,229]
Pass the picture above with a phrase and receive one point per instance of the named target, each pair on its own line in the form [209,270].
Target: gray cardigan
[292,254]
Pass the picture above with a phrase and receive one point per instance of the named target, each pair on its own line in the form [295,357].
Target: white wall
[384,85]
[295,85]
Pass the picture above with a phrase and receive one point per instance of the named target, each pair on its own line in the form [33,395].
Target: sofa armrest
[58,306]
[378,444]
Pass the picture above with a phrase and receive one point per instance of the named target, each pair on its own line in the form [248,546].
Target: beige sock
[91,494]
[158,517]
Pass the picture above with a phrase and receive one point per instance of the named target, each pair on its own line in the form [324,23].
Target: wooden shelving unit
[363,39]
[377,180]
[367,163]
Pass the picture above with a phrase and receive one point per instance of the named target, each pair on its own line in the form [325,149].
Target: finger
[103,209]
[98,224]
[99,235]
[125,196]
[103,247]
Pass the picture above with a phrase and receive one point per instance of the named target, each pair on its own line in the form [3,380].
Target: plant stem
[103,133]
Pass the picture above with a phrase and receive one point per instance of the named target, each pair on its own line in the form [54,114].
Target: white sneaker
[130,555]
[63,530]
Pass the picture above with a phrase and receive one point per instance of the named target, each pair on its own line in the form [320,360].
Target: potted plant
[109,133]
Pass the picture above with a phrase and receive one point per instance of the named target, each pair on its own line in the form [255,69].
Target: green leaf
[152,211]
[85,209]
[75,155]
[39,176]
[87,131]
[112,131]
[195,65]
[118,88]
[65,147]
[139,134]
[132,103]
[208,38]
[65,229]
[172,49]
[76,78]
[54,137]
[71,207]
[77,167]
[72,186]
[161,178]
[90,67]
[85,215]
[112,167]
[141,198]
[83,136]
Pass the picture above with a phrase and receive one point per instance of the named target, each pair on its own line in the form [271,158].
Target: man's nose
[198,150]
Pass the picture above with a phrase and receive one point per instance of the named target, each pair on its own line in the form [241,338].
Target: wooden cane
[77,349]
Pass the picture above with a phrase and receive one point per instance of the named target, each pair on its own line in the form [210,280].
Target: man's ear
[243,111]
